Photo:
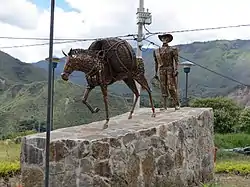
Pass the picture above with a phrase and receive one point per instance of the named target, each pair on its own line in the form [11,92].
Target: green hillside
[14,71]
[22,102]
[230,58]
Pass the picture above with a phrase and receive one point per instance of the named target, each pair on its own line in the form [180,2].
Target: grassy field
[9,152]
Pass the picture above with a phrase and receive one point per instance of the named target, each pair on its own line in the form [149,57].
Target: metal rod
[49,104]
[186,91]
[52,100]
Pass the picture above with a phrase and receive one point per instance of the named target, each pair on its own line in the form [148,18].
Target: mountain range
[23,87]
[229,58]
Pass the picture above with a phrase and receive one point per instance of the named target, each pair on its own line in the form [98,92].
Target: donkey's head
[80,60]
[69,66]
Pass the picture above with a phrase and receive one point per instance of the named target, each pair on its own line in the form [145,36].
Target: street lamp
[54,61]
[187,66]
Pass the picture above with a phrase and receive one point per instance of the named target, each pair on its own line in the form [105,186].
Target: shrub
[234,167]
[244,121]
[17,134]
[9,169]
[226,112]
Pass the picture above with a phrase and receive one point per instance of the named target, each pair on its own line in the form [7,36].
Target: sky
[103,18]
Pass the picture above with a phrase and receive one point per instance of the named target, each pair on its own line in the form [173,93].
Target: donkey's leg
[105,99]
[85,97]
[144,84]
[131,84]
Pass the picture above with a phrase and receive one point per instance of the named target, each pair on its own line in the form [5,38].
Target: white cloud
[21,13]
[99,18]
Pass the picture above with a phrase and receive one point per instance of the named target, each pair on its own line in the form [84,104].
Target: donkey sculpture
[105,62]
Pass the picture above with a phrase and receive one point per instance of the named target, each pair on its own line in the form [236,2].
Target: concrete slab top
[121,125]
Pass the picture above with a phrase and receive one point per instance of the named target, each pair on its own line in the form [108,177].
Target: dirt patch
[222,180]
[230,180]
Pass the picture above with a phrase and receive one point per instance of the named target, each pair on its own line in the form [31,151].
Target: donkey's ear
[64,53]
[101,54]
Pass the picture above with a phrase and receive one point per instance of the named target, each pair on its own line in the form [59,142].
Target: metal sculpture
[105,62]
[166,62]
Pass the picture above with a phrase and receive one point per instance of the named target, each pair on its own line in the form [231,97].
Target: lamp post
[187,66]
[55,61]
[50,68]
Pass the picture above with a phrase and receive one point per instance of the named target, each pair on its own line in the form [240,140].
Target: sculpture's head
[165,38]
[81,60]
[70,64]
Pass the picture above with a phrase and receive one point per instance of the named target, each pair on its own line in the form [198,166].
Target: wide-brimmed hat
[164,36]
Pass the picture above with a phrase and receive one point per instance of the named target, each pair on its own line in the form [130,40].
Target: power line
[47,43]
[36,44]
[195,30]
[62,39]
[224,76]
[127,35]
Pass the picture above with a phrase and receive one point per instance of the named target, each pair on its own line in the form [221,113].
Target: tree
[244,121]
[226,112]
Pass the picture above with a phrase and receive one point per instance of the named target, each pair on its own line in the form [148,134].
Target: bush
[226,112]
[234,167]
[233,140]
[9,169]
[17,134]
[244,121]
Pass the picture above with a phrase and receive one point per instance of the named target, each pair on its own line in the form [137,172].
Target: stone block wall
[175,149]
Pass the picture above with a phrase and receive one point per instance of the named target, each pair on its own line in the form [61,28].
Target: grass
[231,162]
[238,167]
[9,152]
[232,169]
[229,141]
[9,159]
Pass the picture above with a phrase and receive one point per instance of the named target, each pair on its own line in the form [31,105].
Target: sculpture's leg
[131,84]
[164,88]
[85,97]
[144,84]
[164,103]
[173,91]
[105,99]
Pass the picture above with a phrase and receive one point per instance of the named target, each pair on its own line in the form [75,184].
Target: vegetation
[25,109]
[226,112]
[13,71]
[244,121]
[9,169]
[232,140]
[235,167]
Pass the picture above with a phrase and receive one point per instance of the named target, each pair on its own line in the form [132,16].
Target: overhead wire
[148,34]
[47,43]
[72,40]
[195,30]
[58,39]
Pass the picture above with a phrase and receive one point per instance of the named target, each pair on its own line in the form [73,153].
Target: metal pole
[52,100]
[49,104]
[139,45]
[186,91]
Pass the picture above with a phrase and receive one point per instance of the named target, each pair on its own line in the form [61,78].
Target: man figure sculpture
[166,61]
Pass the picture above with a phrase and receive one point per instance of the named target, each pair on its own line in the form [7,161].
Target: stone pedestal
[175,149]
